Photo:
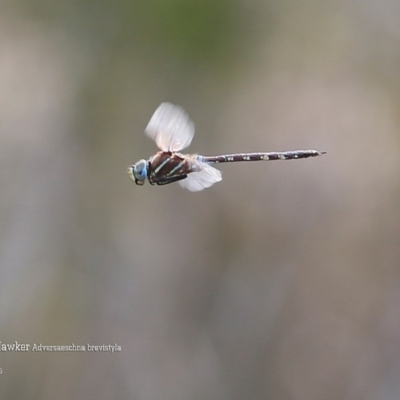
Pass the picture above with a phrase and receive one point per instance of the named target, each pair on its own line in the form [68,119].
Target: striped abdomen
[284,155]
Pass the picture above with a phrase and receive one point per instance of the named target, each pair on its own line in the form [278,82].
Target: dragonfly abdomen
[272,156]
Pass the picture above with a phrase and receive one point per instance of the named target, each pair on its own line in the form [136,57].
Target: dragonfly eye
[138,172]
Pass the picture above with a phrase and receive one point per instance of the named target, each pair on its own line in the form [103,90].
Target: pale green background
[281,282]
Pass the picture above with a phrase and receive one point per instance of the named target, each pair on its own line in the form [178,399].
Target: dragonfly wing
[205,177]
[170,127]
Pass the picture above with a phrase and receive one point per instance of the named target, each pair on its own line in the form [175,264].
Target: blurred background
[280,282]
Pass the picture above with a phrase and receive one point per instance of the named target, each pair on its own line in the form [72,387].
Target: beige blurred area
[280,282]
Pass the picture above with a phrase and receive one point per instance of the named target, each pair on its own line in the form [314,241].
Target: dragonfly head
[138,172]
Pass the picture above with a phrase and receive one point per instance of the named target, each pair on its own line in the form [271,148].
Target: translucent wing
[170,127]
[202,179]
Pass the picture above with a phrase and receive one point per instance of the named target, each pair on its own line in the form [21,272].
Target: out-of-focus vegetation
[280,282]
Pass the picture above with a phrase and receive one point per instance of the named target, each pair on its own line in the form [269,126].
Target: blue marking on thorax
[161,165]
[176,168]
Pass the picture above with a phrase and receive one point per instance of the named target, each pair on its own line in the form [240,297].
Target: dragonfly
[172,130]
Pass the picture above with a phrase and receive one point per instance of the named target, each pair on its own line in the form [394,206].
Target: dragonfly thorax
[138,172]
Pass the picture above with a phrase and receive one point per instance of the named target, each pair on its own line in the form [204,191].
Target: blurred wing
[170,127]
[201,179]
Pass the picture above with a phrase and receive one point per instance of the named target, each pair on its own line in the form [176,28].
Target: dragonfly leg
[166,181]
